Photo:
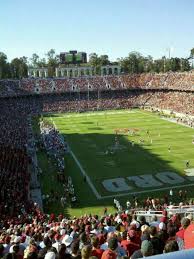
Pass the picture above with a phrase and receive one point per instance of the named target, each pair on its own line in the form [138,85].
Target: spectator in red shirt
[185,222]
[110,253]
[96,251]
[128,242]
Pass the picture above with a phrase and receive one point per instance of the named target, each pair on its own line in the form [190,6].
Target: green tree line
[135,62]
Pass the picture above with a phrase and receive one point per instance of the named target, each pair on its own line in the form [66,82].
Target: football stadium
[96,156]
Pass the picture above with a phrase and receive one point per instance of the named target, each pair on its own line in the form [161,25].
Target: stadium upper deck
[171,81]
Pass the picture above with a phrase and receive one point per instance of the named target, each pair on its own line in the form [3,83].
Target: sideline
[98,196]
[100,113]
[150,191]
[174,121]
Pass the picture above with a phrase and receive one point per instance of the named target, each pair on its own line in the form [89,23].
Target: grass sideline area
[157,146]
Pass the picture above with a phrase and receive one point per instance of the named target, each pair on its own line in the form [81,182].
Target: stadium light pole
[98,99]
[181,64]
[70,93]
[79,93]
[88,96]
[170,50]
[79,99]
[164,64]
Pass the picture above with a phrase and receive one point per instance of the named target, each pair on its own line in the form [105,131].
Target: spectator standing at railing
[154,221]
[185,222]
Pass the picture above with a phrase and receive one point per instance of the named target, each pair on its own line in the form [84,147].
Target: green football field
[147,157]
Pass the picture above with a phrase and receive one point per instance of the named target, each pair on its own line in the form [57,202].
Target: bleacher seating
[21,219]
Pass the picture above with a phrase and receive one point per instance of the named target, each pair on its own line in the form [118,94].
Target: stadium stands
[172,81]
[25,232]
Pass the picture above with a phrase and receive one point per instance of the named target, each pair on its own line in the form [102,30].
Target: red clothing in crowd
[97,252]
[109,254]
[180,233]
[129,246]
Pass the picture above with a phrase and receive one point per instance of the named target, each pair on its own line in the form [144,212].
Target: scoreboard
[79,57]
[73,57]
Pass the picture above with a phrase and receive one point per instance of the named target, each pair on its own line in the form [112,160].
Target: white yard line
[179,123]
[152,190]
[96,113]
[98,196]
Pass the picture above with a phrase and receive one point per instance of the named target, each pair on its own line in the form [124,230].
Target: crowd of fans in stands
[14,159]
[176,101]
[172,81]
[14,123]
[122,235]
[25,232]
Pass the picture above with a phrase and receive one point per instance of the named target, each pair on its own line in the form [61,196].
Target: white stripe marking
[154,190]
[98,196]
[179,123]
[96,113]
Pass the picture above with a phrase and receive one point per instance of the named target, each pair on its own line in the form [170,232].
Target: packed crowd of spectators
[11,88]
[176,101]
[25,232]
[119,235]
[173,81]
[180,102]
[14,159]
[14,180]
[177,81]
[14,113]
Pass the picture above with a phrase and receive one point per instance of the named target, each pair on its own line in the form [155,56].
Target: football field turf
[147,156]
